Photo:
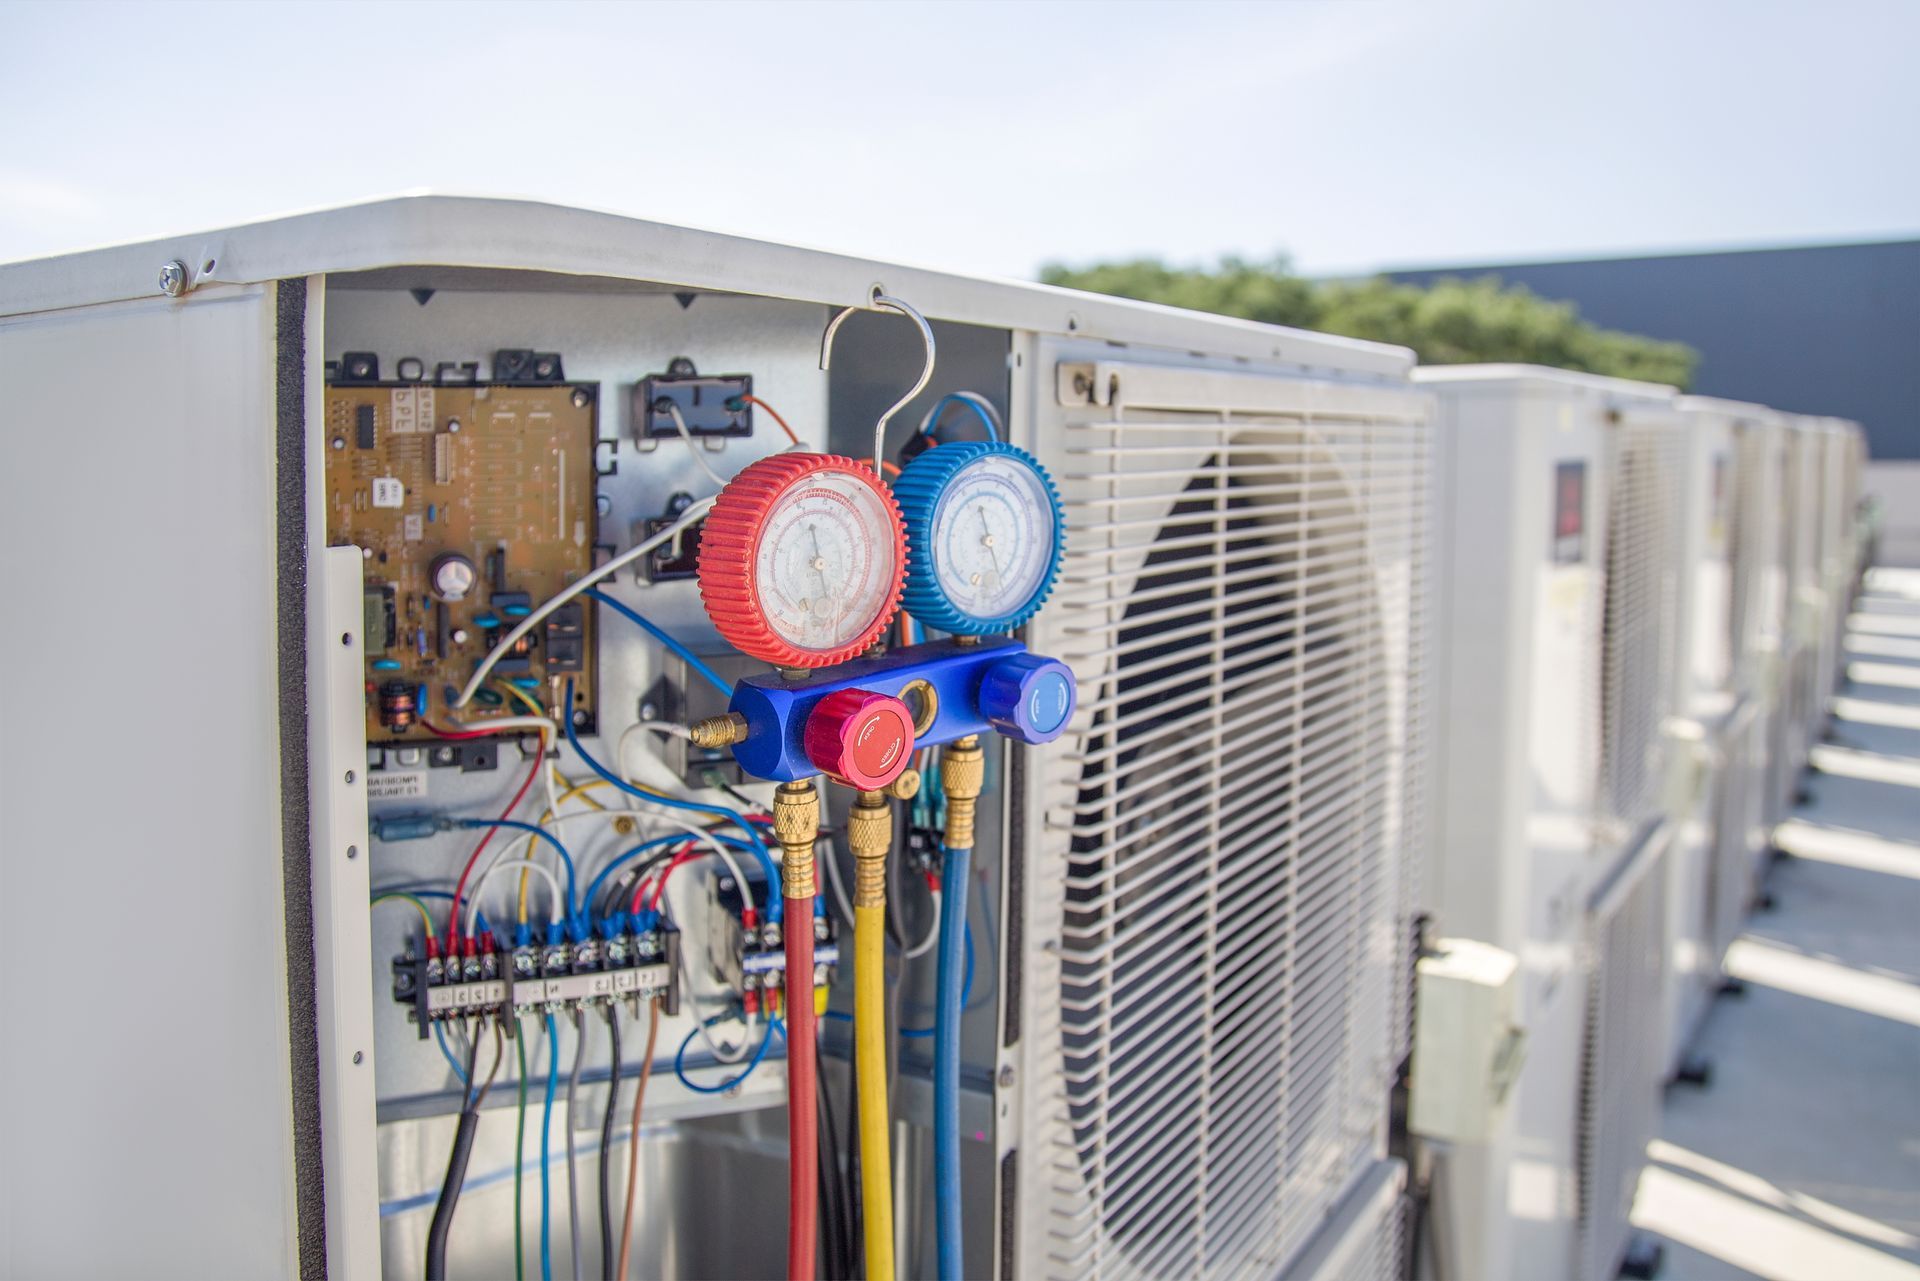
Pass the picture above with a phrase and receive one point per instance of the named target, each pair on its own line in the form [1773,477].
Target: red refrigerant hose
[803,1136]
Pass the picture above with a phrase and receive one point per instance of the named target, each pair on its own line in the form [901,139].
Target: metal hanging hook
[885,303]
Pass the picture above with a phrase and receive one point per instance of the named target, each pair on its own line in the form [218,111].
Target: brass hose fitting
[796,825]
[870,836]
[723,730]
[963,773]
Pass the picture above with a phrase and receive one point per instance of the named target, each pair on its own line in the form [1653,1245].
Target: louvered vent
[1641,626]
[1230,828]
[1731,872]
[1620,1060]
[1754,544]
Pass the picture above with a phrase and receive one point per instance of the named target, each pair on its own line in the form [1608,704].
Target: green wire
[519,1145]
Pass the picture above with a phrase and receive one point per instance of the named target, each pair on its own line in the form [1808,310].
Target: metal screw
[1006,1077]
[353,851]
[358,1056]
[173,278]
[580,397]
[349,776]
[603,504]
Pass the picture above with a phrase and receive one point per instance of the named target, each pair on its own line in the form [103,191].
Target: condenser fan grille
[1641,630]
[1232,837]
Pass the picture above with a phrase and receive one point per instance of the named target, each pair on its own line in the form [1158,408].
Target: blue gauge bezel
[919,488]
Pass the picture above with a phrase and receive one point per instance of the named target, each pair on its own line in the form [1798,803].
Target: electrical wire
[680,425]
[633,1141]
[453,913]
[546,1129]
[525,699]
[704,807]
[573,1089]
[479,891]
[515,825]
[388,896]
[680,1062]
[519,1144]
[746,399]
[833,1207]
[612,1015]
[982,408]
[464,1130]
[955,872]
[690,515]
[660,634]
[440,1035]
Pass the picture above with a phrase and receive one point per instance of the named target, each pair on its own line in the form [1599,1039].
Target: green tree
[1454,322]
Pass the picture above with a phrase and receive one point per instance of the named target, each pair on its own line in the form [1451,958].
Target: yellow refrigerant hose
[870,834]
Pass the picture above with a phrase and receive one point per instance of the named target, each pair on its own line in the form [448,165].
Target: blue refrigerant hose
[950,1000]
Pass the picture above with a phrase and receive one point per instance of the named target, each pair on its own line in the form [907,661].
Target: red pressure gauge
[802,559]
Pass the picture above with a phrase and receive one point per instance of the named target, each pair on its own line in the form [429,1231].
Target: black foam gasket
[296,864]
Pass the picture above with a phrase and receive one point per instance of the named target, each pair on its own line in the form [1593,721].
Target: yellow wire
[418,906]
[525,698]
[573,789]
[870,1072]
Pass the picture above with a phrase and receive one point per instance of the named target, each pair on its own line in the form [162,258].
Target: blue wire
[916,1033]
[440,1035]
[378,890]
[766,866]
[573,912]
[759,846]
[654,630]
[940,406]
[680,1060]
[546,1126]
[954,876]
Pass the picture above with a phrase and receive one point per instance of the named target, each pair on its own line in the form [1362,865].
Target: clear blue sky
[991,137]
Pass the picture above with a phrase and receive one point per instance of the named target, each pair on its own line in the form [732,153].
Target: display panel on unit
[471,503]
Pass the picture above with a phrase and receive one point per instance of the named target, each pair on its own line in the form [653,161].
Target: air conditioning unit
[1728,619]
[1557,644]
[1801,699]
[1213,971]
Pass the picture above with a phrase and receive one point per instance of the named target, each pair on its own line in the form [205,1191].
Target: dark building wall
[1817,330]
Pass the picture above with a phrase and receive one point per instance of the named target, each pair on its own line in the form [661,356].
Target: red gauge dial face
[802,560]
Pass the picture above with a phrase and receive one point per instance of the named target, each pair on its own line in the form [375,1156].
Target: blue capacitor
[386,664]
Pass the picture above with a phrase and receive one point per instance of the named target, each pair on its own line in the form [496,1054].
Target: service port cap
[1029,697]
[860,738]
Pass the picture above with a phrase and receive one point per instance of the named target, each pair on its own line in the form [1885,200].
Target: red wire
[755,400]
[803,1135]
[453,917]
[685,854]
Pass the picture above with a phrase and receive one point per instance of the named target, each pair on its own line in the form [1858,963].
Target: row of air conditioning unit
[1529,656]
[1640,597]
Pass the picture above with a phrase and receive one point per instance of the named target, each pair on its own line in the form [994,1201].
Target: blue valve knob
[1028,697]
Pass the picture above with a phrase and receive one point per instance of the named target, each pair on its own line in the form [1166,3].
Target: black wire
[606,1145]
[857,1216]
[463,1133]
[832,1212]
[629,878]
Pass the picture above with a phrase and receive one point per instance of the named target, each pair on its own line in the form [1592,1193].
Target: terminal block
[538,978]
[748,954]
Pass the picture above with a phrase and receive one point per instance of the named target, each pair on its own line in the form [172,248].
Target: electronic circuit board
[472,504]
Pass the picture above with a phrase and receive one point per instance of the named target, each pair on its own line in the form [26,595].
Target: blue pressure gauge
[984,536]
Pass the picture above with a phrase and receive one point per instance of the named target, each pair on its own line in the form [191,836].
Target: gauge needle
[819,562]
[987,541]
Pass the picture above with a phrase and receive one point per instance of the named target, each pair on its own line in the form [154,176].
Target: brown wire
[633,1140]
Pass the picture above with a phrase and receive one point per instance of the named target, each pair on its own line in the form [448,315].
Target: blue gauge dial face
[993,536]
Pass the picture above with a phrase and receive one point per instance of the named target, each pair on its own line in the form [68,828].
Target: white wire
[554,900]
[713,1046]
[840,901]
[668,728]
[699,455]
[691,515]
[925,945]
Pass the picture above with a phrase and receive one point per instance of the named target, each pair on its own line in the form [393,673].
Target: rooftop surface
[1801,1159]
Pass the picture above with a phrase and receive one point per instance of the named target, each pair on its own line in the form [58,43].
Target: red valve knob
[863,739]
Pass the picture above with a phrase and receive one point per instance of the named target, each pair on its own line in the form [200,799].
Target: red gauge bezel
[729,550]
